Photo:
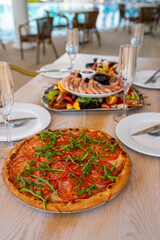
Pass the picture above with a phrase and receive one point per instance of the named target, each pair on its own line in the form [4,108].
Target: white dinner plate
[144,143]
[142,76]
[30,127]
[54,74]
[90,95]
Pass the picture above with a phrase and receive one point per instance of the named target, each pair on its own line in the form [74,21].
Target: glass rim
[72,29]
[138,24]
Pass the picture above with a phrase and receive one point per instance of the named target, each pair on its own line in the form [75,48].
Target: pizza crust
[75,205]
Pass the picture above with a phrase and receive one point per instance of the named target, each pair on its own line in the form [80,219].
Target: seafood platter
[97,89]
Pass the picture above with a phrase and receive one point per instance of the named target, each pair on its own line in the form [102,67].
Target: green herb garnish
[52,94]
[37,194]
[87,190]
[107,173]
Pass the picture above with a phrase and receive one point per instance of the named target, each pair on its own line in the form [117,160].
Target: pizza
[67,170]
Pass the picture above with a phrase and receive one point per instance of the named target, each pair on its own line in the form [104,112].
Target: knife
[147,130]
[151,78]
[54,70]
[19,119]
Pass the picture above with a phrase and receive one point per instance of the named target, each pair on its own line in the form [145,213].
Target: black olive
[86,80]
[102,78]
[89,65]
[79,75]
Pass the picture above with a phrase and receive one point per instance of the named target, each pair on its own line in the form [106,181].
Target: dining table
[132,214]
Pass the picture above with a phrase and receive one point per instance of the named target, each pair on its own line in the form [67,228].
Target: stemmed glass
[72,44]
[127,69]
[6,97]
[137,35]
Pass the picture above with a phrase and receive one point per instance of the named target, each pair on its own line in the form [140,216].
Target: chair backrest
[147,14]
[121,10]
[44,26]
[91,18]
[158,10]
[59,19]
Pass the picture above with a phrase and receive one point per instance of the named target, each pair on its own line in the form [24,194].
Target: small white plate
[142,76]
[30,127]
[144,143]
[54,74]
[91,95]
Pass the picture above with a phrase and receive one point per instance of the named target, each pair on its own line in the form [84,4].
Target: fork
[18,123]
[156,134]
[153,78]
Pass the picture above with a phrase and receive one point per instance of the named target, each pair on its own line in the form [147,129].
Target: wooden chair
[44,29]
[158,11]
[88,26]
[2,44]
[122,13]
[59,20]
[124,16]
[149,16]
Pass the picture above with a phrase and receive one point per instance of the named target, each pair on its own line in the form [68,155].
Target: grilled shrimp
[114,81]
[92,87]
[65,84]
[82,86]
[103,89]
[60,97]
[99,88]
[70,87]
[116,88]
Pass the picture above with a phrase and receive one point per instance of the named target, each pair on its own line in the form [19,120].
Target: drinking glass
[127,69]
[137,35]
[72,44]
[6,97]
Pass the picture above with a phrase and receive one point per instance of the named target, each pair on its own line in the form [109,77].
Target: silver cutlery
[152,129]
[18,121]
[153,78]
[54,70]
[156,134]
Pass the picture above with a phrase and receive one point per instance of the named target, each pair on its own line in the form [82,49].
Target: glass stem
[124,112]
[72,63]
[8,133]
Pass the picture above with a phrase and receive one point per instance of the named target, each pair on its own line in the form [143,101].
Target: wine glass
[6,97]
[137,35]
[72,44]
[127,69]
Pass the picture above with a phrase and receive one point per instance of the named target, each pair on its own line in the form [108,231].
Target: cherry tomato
[68,98]
[105,105]
[119,101]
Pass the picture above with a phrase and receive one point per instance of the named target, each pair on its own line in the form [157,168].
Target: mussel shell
[102,78]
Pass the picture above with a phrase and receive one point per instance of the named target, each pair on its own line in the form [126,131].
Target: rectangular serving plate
[44,103]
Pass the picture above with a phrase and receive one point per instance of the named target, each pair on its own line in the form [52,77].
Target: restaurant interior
[84,65]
